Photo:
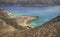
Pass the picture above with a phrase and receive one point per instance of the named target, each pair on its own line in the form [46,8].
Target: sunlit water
[45,13]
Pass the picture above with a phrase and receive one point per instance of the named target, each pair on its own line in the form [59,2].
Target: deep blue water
[45,13]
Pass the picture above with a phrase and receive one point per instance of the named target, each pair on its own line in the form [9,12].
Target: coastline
[22,20]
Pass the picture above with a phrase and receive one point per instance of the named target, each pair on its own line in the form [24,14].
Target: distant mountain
[29,2]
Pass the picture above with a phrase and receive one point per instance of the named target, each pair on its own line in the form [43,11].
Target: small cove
[44,13]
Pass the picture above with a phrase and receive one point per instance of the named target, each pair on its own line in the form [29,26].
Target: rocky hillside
[29,2]
[49,29]
[8,19]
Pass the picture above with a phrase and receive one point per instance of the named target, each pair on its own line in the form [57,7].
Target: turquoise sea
[45,13]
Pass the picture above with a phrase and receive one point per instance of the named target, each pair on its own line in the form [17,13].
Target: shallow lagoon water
[45,13]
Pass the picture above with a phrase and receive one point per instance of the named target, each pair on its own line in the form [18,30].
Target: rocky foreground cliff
[9,28]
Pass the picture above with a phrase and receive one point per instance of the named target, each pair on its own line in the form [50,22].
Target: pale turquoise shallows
[44,13]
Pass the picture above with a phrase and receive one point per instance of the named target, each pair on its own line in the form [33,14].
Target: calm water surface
[45,13]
